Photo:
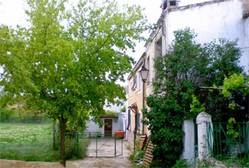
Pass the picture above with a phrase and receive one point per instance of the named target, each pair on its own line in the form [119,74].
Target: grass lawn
[30,142]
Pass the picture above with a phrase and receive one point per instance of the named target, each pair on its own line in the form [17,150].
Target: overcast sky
[12,13]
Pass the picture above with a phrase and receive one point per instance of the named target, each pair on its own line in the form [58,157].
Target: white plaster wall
[189,141]
[213,21]
[92,127]
[150,52]
[117,124]
[188,2]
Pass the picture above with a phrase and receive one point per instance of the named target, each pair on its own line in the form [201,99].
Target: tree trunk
[62,141]
[54,135]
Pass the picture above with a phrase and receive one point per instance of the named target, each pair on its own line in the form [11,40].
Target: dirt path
[100,163]
[106,147]
[22,164]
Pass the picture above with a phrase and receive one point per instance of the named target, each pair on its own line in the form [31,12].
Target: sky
[12,13]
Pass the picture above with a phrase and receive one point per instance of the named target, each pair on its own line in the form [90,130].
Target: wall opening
[158,47]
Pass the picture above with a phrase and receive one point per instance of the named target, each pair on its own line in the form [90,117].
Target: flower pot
[119,134]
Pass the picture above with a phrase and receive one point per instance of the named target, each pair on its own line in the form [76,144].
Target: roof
[137,65]
[151,37]
[155,31]
[109,114]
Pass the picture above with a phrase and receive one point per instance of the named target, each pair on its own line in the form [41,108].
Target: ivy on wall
[187,82]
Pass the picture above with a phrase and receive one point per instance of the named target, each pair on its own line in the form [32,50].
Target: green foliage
[241,161]
[235,82]
[231,132]
[29,142]
[57,66]
[181,164]
[76,149]
[196,107]
[123,109]
[109,113]
[32,142]
[20,116]
[67,63]
[6,114]
[137,156]
[204,164]
[186,80]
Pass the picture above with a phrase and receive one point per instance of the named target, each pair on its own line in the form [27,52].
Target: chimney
[245,8]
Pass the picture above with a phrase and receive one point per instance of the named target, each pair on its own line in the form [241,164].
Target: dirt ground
[86,163]
[106,147]
[100,163]
[22,164]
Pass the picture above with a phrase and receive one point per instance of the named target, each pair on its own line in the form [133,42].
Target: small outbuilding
[110,123]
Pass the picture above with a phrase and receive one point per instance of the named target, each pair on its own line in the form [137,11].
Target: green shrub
[136,158]
[179,93]
[15,116]
[75,148]
[6,114]
[181,164]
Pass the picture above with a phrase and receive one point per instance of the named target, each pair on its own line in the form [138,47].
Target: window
[168,3]
[148,67]
[138,120]
[134,83]
[158,47]
[172,3]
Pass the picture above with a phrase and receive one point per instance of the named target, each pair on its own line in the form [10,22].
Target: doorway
[108,127]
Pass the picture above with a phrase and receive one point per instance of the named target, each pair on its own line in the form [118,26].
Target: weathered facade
[209,19]
[212,19]
[135,84]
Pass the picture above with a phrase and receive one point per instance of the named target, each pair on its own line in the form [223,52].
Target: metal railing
[99,145]
[224,145]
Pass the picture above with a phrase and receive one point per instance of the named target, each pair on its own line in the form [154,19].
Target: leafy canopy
[67,62]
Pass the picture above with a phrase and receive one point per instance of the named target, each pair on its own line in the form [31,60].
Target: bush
[6,114]
[15,116]
[179,93]
[136,158]
[75,148]
[181,164]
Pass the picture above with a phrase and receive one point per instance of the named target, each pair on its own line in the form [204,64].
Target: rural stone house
[210,19]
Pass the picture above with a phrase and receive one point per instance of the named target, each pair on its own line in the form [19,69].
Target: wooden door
[108,127]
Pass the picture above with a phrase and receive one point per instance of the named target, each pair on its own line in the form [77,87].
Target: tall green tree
[67,62]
